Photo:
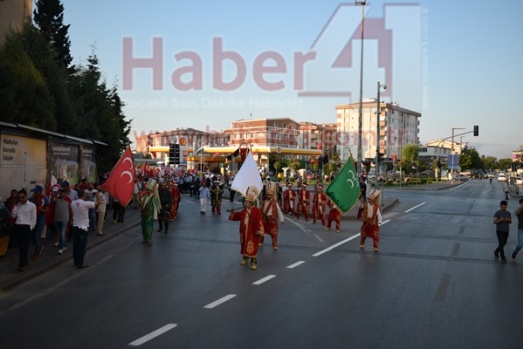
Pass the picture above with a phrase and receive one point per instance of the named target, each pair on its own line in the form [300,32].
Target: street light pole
[378,117]
[360,111]
[452,152]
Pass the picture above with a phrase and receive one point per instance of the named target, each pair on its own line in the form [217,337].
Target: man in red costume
[371,217]
[271,214]
[251,229]
[289,196]
[334,216]
[304,202]
[177,197]
[319,203]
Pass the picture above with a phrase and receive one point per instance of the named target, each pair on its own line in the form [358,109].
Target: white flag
[248,176]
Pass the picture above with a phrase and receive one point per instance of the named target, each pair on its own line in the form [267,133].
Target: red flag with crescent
[120,183]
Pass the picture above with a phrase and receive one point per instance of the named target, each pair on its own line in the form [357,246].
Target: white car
[502,178]
[519,181]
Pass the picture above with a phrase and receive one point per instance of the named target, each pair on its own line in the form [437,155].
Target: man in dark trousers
[25,213]
[166,200]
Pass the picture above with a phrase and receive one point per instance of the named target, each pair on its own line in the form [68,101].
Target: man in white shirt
[25,213]
[80,209]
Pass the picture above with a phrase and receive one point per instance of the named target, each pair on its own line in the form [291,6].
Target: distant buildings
[398,127]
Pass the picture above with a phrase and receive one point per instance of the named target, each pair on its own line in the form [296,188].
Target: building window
[275,124]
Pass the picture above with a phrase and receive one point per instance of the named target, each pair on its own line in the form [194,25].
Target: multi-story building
[278,132]
[398,127]
[13,14]
[318,136]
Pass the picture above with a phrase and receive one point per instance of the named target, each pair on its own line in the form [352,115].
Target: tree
[410,153]
[24,93]
[48,18]
[101,110]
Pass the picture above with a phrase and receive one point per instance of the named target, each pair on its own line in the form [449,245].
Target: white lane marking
[299,225]
[335,245]
[292,266]
[261,281]
[318,237]
[152,335]
[385,222]
[415,207]
[220,301]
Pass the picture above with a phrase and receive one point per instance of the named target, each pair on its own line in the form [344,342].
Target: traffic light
[476,130]
[174,154]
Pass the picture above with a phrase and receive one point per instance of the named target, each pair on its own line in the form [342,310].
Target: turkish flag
[120,183]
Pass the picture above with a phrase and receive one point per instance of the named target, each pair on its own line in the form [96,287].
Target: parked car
[519,181]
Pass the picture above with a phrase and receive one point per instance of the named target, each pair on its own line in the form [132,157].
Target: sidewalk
[10,278]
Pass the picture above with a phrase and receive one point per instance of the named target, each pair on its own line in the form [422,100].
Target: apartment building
[398,127]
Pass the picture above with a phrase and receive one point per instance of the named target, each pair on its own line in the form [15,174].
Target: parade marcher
[251,228]
[289,196]
[204,195]
[80,209]
[304,202]
[166,200]
[372,218]
[136,193]
[216,202]
[150,208]
[334,216]
[319,204]
[271,214]
[502,220]
[232,192]
[177,197]
[25,213]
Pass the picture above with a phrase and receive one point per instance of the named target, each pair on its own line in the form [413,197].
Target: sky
[209,63]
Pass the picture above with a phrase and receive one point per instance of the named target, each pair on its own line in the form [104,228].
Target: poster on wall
[89,164]
[22,163]
[63,162]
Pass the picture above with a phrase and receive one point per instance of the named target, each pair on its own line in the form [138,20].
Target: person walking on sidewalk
[25,213]
[502,220]
[42,206]
[80,209]
[100,199]
[519,214]
[63,217]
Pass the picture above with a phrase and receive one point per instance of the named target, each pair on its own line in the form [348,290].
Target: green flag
[344,190]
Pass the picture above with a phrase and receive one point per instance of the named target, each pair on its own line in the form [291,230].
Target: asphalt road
[434,284]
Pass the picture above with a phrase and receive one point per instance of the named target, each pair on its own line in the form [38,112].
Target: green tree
[48,17]
[24,94]
[504,164]
[101,110]
[489,162]
[410,153]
